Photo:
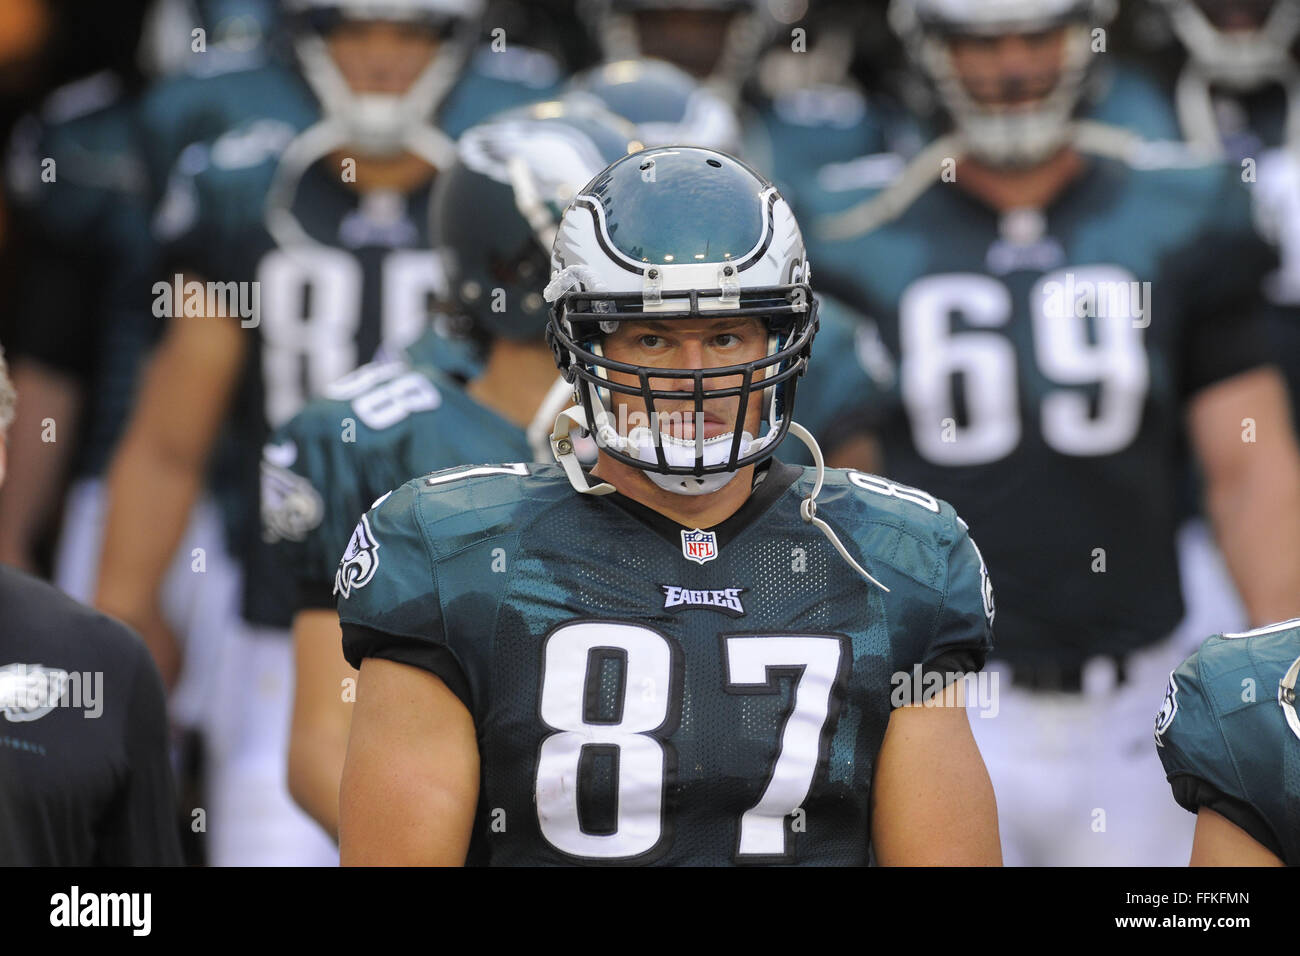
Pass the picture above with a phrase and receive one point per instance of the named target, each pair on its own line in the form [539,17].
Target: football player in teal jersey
[494,215]
[683,655]
[311,194]
[1229,738]
[82,324]
[1238,97]
[1060,302]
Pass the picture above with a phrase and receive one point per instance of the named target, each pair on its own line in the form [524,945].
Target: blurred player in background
[1229,737]
[716,41]
[1235,97]
[793,120]
[78,192]
[1238,97]
[79,170]
[493,217]
[660,723]
[1237,92]
[84,772]
[1058,302]
[311,201]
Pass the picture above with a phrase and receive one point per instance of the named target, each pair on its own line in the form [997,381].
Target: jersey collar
[769,485]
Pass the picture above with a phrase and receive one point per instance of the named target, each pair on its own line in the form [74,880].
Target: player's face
[1015,69]
[377,57]
[692,39]
[1236,15]
[688,344]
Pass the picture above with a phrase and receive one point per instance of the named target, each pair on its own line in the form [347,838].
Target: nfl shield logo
[699,546]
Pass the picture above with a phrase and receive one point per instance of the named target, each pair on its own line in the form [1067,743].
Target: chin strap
[808,507]
[562,449]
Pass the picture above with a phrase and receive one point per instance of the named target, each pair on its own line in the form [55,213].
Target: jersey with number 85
[636,705]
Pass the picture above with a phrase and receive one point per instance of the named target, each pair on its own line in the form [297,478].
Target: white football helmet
[628,249]
[374,124]
[1009,136]
[665,104]
[1238,59]
[380,123]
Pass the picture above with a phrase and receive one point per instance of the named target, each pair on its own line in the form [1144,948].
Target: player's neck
[401,173]
[1033,187]
[689,511]
[515,379]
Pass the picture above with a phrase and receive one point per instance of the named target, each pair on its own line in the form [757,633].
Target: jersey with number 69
[370,432]
[1229,736]
[649,693]
[1034,369]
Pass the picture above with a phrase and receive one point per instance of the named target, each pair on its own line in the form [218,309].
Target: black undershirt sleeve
[1216,351]
[1192,793]
[361,642]
[316,596]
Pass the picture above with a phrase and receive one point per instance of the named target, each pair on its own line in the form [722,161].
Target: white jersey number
[1064,350]
[311,313]
[649,710]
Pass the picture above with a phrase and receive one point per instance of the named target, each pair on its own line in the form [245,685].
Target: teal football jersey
[645,692]
[1034,369]
[1229,737]
[375,429]
[829,396]
[1122,94]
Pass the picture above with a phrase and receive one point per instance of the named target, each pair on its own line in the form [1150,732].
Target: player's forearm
[315,770]
[37,457]
[150,496]
[324,689]
[158,471]
[1256,518]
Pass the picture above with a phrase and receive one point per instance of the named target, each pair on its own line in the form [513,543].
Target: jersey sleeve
[388,599]
[1229,320]
[140,828]
[963,631]
[1197,759]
